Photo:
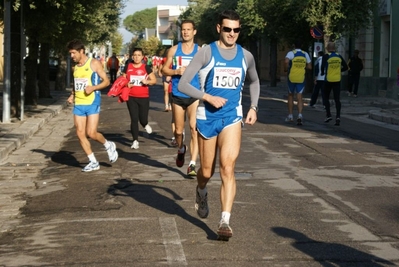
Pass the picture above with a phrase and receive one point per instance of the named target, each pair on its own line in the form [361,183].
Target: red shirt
[135,76]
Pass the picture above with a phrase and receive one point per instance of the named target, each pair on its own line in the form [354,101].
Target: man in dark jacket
[355,65]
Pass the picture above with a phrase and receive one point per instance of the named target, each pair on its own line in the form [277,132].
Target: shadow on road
[148,194]
[330,254]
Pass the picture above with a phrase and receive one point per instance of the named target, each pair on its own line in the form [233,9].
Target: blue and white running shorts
[296,87]
[86,110]
[211,128]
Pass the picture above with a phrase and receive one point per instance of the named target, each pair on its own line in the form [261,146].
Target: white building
[167,16]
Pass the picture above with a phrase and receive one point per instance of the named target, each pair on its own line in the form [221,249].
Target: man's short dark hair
[76,45]
[298,44]
[186,21]
[228,14]
[320,54]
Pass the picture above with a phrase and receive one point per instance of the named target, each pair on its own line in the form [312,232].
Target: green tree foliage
[50,24]
[140,20]
[340,17]
[205,15]
[150,47]
[117,43]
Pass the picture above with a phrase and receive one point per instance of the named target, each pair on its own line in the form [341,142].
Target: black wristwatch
[254,108]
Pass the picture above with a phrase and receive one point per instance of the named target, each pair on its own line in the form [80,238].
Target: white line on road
[171,240]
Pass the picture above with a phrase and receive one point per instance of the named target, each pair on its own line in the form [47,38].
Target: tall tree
[139,21]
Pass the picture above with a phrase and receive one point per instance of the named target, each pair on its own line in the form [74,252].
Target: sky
[132,6]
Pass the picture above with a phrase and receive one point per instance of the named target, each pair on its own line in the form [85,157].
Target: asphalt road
[311,195]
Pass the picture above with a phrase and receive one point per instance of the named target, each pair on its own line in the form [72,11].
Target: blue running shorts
[86,110]
[211,128]
[296,87]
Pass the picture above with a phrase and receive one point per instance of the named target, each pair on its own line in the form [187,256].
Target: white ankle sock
[225,217]
[92,158]
[107,144]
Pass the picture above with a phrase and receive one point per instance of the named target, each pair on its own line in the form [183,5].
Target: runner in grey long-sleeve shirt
[222,68]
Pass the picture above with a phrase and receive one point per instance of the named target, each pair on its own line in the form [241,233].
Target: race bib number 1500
[227,78]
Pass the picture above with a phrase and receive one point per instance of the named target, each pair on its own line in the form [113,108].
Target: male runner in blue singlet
[222,66]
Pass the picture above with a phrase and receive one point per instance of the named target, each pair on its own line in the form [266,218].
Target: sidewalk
[16,133]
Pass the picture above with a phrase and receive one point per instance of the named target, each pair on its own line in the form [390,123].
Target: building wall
[166,18]
[1,54]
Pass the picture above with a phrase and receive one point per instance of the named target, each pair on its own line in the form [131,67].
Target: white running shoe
[148,129]
[289,119]
[224,231]
[112,153]
[92,166]
[135,144]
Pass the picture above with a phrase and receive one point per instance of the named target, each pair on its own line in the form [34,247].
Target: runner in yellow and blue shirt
[331,66]
[296,63]
[89,78]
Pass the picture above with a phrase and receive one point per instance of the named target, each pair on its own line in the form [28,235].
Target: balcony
[163,29]
[163,13]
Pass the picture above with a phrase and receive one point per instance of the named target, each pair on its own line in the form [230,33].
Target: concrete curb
[386,116]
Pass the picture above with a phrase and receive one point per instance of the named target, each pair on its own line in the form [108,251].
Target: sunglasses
[227,29]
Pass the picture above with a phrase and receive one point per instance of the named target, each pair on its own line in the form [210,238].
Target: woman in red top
[140,76]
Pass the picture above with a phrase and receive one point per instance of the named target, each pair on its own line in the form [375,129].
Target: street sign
[318,46]
[317,32]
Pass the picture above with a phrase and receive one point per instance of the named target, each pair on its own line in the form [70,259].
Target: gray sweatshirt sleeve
[252,74]
[200,59]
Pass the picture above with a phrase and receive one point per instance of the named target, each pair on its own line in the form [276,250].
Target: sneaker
[337,122]
[191,170]
[289,119]
[112,153]
[349,94]
[173,142]
[328,119]
[180,157]
[354,95]
[312,106]
[299,121]
[135,144]
[201,204]
[92,166]
[224,231]
[148,129]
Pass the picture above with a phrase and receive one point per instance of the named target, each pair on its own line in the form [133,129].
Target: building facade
[167,29]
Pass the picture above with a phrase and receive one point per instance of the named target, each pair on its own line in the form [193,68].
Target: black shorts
[183,102]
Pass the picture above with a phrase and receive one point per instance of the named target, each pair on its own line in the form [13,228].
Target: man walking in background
[355,66]
[318,81]
[113,67]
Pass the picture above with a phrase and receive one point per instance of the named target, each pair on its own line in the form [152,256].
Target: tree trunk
[60,82]
[31,72]
[44,80]
[15,94]
[273,62]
